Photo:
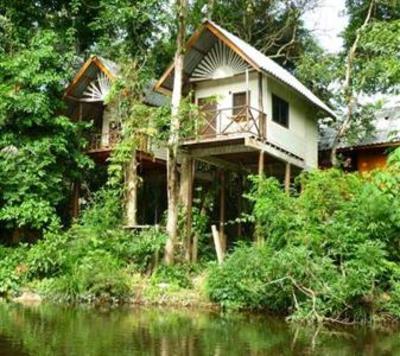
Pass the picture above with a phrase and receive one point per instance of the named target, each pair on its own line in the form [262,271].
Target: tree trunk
[173,141]
[131,191]
[186,200]
[347,87]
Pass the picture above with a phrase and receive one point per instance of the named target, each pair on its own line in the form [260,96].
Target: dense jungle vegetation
[328,253]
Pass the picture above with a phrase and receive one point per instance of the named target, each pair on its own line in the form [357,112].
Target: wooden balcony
[106,142]
[231,122]
[103,141]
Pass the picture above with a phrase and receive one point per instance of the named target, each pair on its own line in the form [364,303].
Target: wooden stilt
[239,204]
[287,177]
[258,236]
[131,191]
[218,244]
[186,200]
[222,211]
[261,164]
[195,241]
[75,199]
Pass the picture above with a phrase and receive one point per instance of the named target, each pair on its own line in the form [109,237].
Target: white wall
[301,138]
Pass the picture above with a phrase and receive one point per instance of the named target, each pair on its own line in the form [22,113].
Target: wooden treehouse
[85,97]
[258,117]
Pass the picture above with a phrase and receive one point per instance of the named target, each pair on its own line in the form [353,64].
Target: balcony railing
[103,141]
[232,121]
[107,141]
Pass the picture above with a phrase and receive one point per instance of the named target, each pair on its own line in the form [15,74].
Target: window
[280,111]
[239,104]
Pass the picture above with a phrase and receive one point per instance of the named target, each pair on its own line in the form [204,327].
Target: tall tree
[371,62]
[40,149]
[347,88]
[173,141]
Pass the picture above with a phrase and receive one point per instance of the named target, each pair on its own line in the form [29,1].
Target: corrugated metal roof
[206,40]
[153,98]
[110,65]
[387,130]
[150,96]
[274,69]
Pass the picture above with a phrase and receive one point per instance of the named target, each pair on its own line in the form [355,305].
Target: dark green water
[51,330]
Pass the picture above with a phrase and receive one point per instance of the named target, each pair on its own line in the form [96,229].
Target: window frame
[286,122]
[237,109]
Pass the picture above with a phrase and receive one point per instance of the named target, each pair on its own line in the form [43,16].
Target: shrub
[98,277]
[177,275]
[331,253]
[12,269]
[239,282]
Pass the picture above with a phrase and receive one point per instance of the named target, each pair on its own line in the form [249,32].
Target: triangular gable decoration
[220,62]
[98,89]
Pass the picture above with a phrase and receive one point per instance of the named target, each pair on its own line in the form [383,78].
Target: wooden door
[239,102]
[209,107]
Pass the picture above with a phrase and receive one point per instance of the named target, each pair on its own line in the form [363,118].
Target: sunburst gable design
[220,62]
[98,88]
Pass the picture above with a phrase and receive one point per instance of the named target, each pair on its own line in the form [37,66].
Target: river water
[54,330]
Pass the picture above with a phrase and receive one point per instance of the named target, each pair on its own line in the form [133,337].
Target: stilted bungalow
[85,97]
[259,119]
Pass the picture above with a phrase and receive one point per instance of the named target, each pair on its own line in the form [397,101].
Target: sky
[327,22]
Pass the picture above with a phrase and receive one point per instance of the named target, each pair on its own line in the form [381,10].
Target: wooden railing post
[263,126]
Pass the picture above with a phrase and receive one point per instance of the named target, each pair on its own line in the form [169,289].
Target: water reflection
[52,330]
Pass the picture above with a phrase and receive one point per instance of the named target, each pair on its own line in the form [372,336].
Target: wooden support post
[75,199]
[186,200]
[222,211]
[261,117]
[195,240]
[261,164]
[218,244]
[131,191]
[239,204]
[287,177]
[259,238]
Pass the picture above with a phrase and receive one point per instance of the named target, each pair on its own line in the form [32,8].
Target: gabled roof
[88,73]
[204,39]
[386,132]
[91,69]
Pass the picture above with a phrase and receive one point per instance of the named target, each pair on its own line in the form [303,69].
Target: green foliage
[12,269]
[103,212]
[95,278]
[239,283]
[177,275]
[329,254]
[39,149]
[92,262]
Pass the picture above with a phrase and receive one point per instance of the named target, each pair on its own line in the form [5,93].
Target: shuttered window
[280,111]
